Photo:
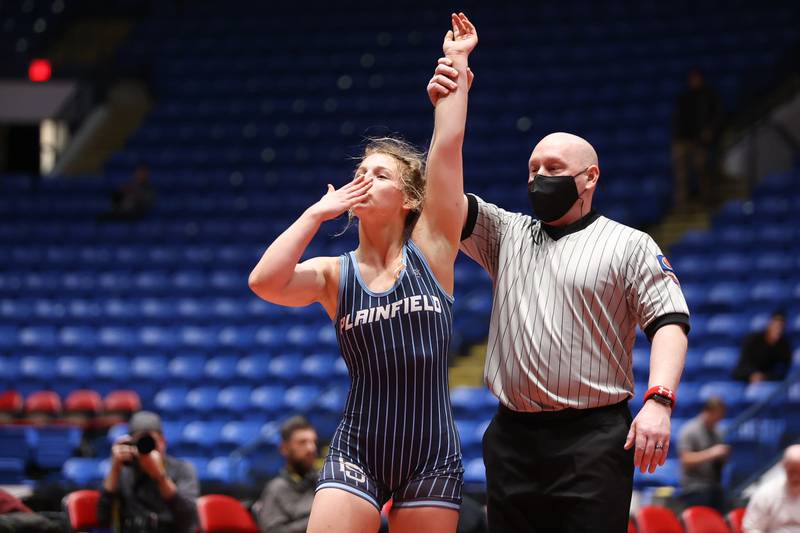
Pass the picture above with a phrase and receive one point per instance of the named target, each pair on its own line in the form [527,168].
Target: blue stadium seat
[82,471]
[9,371]
[301,398]
[470,438]
[270,338]
[120,338]
[732,393]
[302,337]
[16,442]
[238,337]
[40,337]
[268,398]
[472,403]
[776,264]
[728,294]
[171,400]
[286,367]
[112,368]
[727,327]
[240,433]
[160,337]
[667,475]
[333,399]
[771,292]
[235,400]
[187,368]
[221,368]
[228,470]
[37,369]
[202,401]
[75,369]
[474,471]
[253,368]
[82,337]
[149,367]
[200,437]
[12,471]
[200,465]
[719,362]
[54,445]
[761,391]
[319,367]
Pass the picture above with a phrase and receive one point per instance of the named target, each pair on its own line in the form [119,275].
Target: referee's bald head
[571,148]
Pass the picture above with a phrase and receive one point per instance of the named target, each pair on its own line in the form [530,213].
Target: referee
[570,287]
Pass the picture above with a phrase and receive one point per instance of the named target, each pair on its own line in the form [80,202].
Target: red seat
[83,401]
[219,513]
[735,518]
[10,405]
[655,519]
[43,403]
[631,526]
[700,519]
[82,406]
[119,406]
[81,507]
[123,402]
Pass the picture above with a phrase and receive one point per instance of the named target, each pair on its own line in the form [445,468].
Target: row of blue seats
[46,447]
[756,297]
[130,338]
[70,370]
[86,472]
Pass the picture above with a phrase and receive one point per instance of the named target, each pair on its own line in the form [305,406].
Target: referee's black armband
[472,216]
[670,318]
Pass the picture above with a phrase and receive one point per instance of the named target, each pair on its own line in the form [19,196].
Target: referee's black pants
[564,471]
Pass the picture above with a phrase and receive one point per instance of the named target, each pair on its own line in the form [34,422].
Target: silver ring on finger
[659,446]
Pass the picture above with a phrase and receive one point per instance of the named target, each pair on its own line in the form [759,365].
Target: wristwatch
[662,395]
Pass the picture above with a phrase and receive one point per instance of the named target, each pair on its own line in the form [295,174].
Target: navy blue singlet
[397,437]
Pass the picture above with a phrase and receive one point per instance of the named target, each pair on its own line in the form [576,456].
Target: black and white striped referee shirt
[566,305]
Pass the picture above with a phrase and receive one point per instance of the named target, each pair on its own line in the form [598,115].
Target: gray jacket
[285,504]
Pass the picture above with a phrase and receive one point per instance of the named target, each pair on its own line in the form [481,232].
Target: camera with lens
[144,444]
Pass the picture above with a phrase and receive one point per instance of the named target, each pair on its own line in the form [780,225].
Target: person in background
[767,354]
[285,503]
[134,199]
[775,506]
[146,490]
[702,455]
[695,124]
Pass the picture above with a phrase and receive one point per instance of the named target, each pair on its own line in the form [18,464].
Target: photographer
[146,490]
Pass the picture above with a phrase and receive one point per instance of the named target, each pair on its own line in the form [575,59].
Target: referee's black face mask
[552,196]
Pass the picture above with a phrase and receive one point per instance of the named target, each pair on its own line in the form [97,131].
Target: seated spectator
[285,504]
[766,355]
[702,456]
[134,199]
[775,506]
[146,490]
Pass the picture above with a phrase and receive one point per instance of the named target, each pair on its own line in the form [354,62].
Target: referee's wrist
[658,401]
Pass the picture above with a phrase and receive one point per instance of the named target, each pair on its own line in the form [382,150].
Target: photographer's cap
[144,421]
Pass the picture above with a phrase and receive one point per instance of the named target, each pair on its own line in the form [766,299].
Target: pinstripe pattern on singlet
[397,422]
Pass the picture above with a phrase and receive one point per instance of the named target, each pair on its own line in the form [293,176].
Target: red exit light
[40,70]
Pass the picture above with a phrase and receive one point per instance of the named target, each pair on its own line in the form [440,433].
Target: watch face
[661,399]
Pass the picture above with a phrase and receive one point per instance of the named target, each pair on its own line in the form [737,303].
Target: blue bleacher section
[254,116]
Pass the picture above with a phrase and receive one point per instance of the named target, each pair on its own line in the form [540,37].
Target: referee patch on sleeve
[666,266]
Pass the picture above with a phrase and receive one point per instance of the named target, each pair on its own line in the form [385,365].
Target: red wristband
[661,392]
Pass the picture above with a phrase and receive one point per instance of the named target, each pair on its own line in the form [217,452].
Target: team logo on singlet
[409,304]
[351,471]
[666,266]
